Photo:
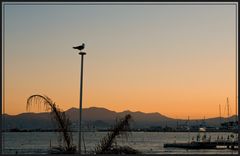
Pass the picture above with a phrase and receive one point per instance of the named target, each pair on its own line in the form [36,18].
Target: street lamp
[81,47]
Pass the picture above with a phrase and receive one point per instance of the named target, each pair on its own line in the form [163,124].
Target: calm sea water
[146,142]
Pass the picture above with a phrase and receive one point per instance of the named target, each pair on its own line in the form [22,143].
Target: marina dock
[204,145]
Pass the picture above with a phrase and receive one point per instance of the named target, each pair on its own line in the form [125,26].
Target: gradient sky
[178,60]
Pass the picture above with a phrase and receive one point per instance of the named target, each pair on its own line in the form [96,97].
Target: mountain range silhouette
[97,117]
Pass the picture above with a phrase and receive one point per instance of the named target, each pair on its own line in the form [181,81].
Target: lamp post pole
[80,102]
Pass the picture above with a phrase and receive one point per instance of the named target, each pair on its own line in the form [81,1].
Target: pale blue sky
[132,50]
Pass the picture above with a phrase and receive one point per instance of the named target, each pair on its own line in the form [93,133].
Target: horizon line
[123,111]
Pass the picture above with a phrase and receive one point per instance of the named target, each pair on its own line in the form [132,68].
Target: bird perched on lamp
[81,47]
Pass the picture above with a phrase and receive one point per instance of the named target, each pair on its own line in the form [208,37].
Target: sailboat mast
[228,107]
[220,116]
[236,111]
[188,130]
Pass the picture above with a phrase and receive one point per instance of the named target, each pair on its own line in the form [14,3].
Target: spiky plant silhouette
[106,146]
[62,121]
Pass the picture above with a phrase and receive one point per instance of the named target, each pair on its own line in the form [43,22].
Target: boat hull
[192,145]
[203,145]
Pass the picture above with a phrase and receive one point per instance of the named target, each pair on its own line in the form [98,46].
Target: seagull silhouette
[81,47]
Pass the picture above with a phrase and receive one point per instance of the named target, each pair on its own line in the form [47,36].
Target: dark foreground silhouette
[62,121]
[107,146]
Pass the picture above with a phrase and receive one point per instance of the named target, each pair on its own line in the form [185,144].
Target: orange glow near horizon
[196,106]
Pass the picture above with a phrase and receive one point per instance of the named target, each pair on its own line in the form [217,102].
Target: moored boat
[192,145]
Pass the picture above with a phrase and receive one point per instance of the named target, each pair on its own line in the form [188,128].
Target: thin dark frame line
[114,4]
[236,29]
[117,3]
[3,79]
[2,37]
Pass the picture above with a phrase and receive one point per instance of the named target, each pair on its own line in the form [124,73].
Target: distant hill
[98,118]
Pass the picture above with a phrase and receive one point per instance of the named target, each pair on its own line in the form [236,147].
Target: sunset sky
[178,60]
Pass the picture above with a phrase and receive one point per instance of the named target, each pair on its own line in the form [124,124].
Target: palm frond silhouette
[62,121]
[106,146]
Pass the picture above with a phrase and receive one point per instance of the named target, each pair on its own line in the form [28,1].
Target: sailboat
[228,125]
